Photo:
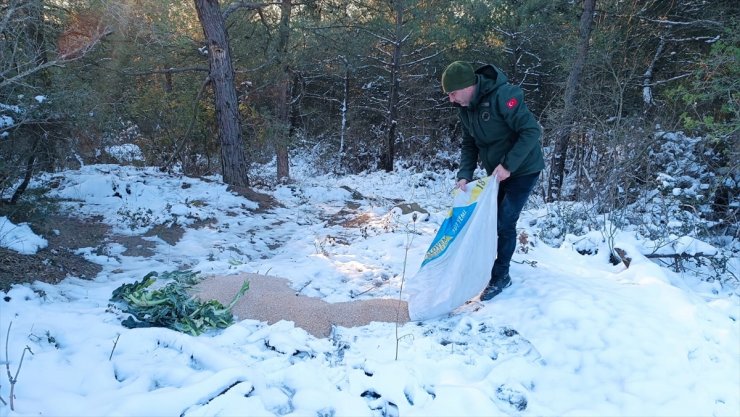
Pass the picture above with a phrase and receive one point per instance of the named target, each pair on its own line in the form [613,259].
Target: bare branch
[241,4]
[168,71]
[373,34]
[682,255]
[678,77]
[30,71]
[60,61]
[11,9]
[706,39]
[426,58]
[690,23]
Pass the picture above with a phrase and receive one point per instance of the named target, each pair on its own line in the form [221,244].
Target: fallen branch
[682,255]
[678,257]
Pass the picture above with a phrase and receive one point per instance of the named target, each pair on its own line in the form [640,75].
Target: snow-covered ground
[573,335]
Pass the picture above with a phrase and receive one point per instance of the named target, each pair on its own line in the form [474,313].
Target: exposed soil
[65,235]
[58,260]
[265,202]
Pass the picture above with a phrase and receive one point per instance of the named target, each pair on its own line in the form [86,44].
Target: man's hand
[461,184]
[501,173]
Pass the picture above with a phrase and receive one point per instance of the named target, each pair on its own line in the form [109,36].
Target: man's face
[462,96]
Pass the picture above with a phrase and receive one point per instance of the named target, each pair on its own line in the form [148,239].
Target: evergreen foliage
[137,74]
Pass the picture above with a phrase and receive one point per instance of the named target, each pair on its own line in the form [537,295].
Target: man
[498,129]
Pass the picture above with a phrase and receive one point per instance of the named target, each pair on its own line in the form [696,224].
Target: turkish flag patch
[512,103]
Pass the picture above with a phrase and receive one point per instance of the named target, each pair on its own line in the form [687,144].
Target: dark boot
[495,286]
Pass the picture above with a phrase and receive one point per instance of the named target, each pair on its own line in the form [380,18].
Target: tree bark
[35,33]
[233,159]
[387,159]
[560,148]
[283,96]
[647,78]
[343,110]
[29,173]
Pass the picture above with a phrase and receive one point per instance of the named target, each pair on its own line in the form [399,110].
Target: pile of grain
[271,299]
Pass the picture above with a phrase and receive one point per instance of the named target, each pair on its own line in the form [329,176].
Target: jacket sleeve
[510,102]
[468,156]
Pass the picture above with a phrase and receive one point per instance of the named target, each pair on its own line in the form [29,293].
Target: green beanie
[457,75]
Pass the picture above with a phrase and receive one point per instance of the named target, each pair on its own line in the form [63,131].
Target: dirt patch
[57,261]
[359,221]
[66,232]
[265,202]
[199,224]
[135,245]
[50,266]
[170,234]
[65,235]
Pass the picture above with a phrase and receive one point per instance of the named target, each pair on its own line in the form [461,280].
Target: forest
[638,99]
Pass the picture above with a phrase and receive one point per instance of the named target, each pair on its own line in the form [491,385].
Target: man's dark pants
[513,193]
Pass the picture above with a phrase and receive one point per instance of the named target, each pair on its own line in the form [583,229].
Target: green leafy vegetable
[172,306]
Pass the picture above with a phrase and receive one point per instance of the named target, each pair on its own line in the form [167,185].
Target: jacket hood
[490,78]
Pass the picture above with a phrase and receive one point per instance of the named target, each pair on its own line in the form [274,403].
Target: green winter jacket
[498,128]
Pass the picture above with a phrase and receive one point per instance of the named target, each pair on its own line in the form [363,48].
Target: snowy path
[611,339]
[572,336]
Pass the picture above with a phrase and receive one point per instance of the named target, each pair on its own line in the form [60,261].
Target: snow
[19,238]
[11,107]
[127,152]
[6,121]
[573,335]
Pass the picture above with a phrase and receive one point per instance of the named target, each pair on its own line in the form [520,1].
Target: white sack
[457,265]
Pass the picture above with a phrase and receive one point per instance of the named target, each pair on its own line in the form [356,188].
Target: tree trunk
[35,32]
[233,158]
[283,97]
[647,78]
[560,148]
[387,159]
[343,111]
[29,173]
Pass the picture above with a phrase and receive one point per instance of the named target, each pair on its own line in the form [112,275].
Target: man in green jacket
[500,131]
